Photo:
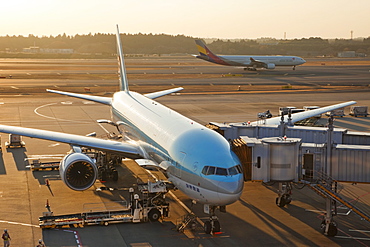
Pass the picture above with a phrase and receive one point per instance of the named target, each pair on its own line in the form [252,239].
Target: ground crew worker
[6,238]
[40,244]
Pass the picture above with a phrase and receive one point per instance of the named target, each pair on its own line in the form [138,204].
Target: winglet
[121,62]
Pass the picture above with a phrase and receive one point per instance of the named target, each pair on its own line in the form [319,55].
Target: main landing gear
[250,69]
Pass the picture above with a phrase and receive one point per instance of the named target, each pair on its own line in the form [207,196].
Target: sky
[225,19]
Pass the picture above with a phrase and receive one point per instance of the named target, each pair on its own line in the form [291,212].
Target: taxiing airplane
[248,62]
[197,160]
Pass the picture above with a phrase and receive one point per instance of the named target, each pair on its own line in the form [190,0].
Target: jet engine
[78,171]
[270,66]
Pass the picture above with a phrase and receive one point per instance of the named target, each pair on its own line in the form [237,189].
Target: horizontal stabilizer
[163,93]
[98,99]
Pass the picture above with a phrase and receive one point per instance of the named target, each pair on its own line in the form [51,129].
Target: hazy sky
[197,18]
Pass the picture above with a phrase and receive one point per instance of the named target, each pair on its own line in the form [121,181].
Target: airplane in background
[248,62]
[196,160]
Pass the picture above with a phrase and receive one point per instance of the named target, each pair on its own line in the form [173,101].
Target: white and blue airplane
[250,62]
[197,160]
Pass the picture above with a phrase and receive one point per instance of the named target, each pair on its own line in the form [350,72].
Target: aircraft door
[308,161]
[179,165]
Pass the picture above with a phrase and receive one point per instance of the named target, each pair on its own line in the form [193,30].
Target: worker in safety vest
[40,244]
[6,238]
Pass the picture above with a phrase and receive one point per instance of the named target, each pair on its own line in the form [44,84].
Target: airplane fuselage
[246,61]
[197,160]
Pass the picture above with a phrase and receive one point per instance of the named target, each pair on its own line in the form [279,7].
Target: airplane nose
[231,185]
[229,192]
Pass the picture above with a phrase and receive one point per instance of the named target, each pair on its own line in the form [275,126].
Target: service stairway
[325,186]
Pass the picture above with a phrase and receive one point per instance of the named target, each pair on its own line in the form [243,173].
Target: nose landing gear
[213,225]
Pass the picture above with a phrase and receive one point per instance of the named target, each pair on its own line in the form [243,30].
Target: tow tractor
[150,207]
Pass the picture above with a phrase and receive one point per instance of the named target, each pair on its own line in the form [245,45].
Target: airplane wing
[126,149]
[163,93]
[306,114]
[258,63]
[98,99]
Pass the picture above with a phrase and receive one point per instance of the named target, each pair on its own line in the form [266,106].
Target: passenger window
[211,170]
[221,171]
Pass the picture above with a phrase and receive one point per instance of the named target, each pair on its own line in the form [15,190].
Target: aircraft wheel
[104,176]
[332,231]
[216,226]
[287,198]
[115,175]
[207,227]
[281,203]
[154,214]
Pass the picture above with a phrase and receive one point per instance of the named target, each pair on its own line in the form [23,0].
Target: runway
[178,71]
[254,220]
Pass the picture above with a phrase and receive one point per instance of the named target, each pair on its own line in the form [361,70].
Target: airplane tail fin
[206,54]
[203,49]
[122,69]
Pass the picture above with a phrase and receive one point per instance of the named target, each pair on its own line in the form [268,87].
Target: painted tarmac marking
[18,223]
[355,238]
[76,235]
[354,230]
[54,118]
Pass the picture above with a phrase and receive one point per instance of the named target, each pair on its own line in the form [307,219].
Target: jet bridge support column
[328,225]
[283,165]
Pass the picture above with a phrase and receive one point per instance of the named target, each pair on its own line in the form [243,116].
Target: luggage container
[336,113]
[358,111]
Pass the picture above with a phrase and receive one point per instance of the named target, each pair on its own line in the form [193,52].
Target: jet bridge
[343,154]
[318,157]
[288,161]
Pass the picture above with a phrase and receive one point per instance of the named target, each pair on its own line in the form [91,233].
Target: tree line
[104,45]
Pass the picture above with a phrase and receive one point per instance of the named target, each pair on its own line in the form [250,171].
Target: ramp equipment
[359,111]
[151,208]
[327,187]
[15,141]
[189,219]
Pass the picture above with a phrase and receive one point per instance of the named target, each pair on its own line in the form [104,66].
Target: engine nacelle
[270,66]
[78,171]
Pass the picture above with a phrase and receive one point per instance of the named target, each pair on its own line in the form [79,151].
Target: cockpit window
[204,170]
[239,168]
[233,171]
[212,170]
[221,171]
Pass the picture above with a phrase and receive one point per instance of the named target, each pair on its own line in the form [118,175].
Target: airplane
[196,160]
[251,62]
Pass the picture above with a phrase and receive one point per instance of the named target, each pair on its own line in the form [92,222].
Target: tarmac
[254,220]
